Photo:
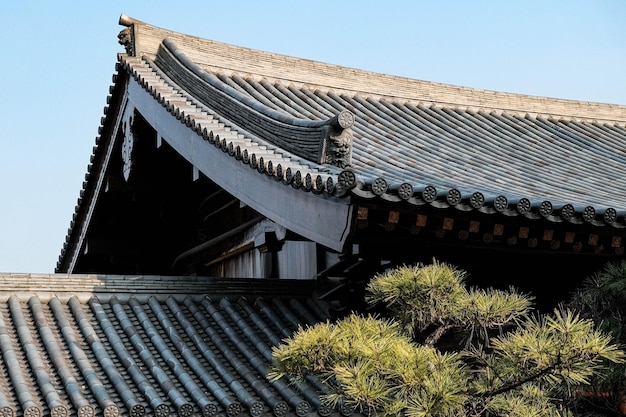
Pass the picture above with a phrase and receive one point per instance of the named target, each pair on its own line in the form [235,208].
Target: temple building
[233,195]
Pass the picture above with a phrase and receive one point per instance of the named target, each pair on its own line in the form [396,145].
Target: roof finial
[126,37]
[336,145]
[125,20]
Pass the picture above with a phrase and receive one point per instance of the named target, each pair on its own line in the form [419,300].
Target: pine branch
[434,337]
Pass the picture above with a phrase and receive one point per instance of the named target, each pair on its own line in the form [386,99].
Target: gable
[374,168]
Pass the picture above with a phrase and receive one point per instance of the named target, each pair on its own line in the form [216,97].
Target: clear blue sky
[57,59]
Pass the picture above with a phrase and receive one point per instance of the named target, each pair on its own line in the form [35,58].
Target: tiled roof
[413,140]
[112,345]
[120,345]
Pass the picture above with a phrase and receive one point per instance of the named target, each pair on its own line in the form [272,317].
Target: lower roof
[135,345]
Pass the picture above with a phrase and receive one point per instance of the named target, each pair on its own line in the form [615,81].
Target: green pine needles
[444,350]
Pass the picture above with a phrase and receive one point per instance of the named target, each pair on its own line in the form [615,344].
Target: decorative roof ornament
[126,37]
[336,143]
[129,142]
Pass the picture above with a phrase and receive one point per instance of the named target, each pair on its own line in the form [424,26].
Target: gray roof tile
[84,348]
[493,152]
[415,141]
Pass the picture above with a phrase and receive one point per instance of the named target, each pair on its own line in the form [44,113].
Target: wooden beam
[392,220]
[421,220]
[361,217]
[523,232]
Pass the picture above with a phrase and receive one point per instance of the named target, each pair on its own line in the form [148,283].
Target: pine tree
[602,298]
[439,348]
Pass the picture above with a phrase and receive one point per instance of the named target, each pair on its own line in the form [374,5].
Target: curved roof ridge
[218,56]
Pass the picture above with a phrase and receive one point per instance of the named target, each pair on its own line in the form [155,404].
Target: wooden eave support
[488,233]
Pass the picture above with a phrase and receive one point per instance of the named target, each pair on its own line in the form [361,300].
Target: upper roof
[230,60]
[410,142]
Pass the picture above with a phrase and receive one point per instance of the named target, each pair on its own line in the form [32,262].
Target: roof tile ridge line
[41,376]
[479,103]
[221,395]
[449,88]
[184,95]
[88,333]
[177,367]
[289,393]
[128,21]
[161,80]
[535,111]
[253,104]
[204,110]
[133,368]
[61,365]
[254,406]
[69,336]
[287,157]
[265,350]
[162,377]
[497,101]
[242,366]
[343,119]
[16,373]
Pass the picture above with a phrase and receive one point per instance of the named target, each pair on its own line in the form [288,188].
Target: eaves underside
[248,169]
